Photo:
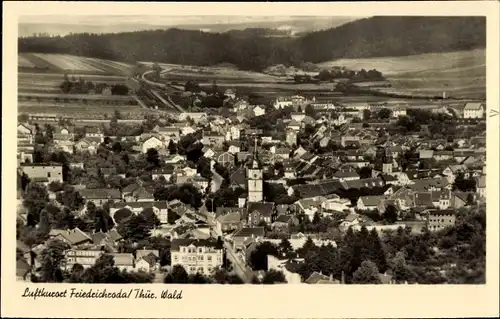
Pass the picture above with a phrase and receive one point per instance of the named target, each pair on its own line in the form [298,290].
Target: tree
[150,217]
[365,172]
[366,115]
[367,273]
[172,147]
[376,252]
[390,214]
[203,167]
[308,246]
[400,270]
[463,184]
[52,258]
[35,199]
[55,186]
[153,157]
[310,111]
[384,113]
[44,225]
[199,279]
[177,275]
[70,198]
[285,246]
[316,218]
[273,277]
[258,257]
[470,199]
[135,229]
[103,221]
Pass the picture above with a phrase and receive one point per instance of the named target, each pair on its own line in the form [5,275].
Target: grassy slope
[461,74]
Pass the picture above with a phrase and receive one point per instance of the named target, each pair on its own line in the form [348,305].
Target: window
[176,257]
[193,269]
[200,250]
[200,257]
[209,258]
[48,174]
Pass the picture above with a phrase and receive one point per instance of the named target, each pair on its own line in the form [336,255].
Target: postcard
[250,160]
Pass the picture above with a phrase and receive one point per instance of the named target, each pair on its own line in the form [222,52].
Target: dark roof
[341,174]
[250,231]
[423,199]
[73,236]
[265,209]
[438,212]
[365,182]
[315,277]
[318,189]
[283,219]
[238,177]
[130,188]
[99,193]
[227,210]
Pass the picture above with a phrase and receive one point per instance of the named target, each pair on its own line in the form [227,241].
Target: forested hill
[371,37]
[394,36]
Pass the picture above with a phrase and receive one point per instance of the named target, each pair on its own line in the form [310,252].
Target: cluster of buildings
[318,182]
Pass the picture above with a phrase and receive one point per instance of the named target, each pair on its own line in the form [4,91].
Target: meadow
[40,76]
[63,63]
[459,74]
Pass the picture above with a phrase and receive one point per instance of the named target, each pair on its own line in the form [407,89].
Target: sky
[156,20]
[65,24]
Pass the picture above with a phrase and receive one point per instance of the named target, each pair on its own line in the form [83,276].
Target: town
[298,190]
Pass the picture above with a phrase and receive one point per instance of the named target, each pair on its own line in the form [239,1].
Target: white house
[336,204]
[152,142]
[474,110]
[234,132]
[398,112]
[259,110]
[369,202]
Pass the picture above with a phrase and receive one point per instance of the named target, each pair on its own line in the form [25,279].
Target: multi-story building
[43,172]
[440,219]
[84,257]
[196,255]
[474,110]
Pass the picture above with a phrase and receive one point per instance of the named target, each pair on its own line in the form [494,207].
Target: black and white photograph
[249,149]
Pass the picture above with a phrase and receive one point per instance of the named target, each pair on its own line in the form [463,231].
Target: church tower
[254,179]
[387,162]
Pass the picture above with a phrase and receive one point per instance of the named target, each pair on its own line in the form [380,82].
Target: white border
[255,301]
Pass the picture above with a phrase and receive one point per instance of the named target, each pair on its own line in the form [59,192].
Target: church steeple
[254,178]
[255,157]
[387,161]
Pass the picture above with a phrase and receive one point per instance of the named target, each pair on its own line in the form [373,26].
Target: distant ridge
[365,38]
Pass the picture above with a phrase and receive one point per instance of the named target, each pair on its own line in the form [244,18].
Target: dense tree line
[372,37]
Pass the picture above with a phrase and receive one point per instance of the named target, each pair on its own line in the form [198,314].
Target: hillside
[459,74]
[365,38]
[394,36]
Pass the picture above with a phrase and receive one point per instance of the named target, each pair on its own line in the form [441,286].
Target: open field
[63,63]
[81,110]
[460,74]
[49,83]
[218,72]
[89,97]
